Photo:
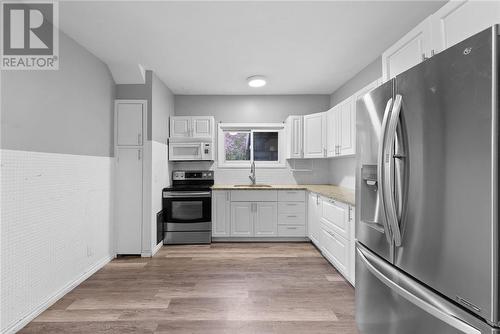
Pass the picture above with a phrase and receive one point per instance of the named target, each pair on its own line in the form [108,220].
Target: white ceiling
[212,47]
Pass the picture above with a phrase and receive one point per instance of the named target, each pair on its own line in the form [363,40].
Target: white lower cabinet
[336,249]
[313,214]
[242,219]
[128,201]
[331,229]
[266,219]
[258,214]
[221,213]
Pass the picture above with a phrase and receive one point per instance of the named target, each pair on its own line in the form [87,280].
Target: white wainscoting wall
[56,228]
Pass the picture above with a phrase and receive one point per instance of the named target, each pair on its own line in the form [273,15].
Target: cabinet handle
[291,228]
[139,138]
[349,214]
[138,154]
[291,204]
[293,216]
[317,199]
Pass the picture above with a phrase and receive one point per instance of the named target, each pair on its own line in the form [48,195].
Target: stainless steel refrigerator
[427,196]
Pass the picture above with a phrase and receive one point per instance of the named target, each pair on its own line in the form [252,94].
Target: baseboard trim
[157,248]
[265,239]
[13,328]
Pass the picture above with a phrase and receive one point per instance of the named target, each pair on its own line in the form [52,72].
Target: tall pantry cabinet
[130,129]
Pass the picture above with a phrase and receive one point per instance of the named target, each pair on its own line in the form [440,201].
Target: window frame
[251,128]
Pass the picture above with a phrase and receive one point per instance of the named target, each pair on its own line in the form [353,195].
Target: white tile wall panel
[56,223]
[319,175]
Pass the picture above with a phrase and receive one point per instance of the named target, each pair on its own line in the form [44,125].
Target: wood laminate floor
[242,288]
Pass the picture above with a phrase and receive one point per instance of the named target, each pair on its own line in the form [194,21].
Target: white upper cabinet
[347,128]
[341,129]
[332,131]
[295,137]
[203,127]
[458,20]
[315,135]
[192,126]
[129,123]
[452,23]
[180,127]
[410,50]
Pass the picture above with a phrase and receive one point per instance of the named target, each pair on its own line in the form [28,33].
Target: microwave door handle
[388,171]
[380,174]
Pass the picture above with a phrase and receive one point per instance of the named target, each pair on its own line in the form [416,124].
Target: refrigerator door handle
[413,292]
[380,166]
[388,155]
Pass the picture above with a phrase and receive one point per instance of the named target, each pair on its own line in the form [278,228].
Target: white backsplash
[342,172]
[319,174]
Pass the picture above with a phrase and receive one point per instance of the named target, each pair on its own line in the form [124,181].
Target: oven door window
[189,210]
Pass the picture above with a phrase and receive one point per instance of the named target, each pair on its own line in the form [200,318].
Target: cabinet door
[313,218]
[458,20]
[408,51]
[347,129]
[315,135]
[129,123]
[202,127]
[295,137]
[180,127]
[335,249]
[221,213]
[242,219]
[352,246]
[332,130]
[266,219]
[128,206]
[335,215]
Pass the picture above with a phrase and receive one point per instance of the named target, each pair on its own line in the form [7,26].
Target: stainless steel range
[187,207]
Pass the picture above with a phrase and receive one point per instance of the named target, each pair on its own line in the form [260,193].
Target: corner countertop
[341,194]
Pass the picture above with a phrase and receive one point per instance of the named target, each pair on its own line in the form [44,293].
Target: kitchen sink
[254,185]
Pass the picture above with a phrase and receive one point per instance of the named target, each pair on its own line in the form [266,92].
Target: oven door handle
[186,194]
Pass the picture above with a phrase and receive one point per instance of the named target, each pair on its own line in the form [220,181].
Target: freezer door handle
[380,166]
[388,188]
[413,292]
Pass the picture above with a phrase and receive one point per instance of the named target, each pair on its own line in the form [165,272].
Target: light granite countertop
[341,194]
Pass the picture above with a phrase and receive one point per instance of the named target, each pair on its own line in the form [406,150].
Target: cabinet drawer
[254,195]
[291,231]
[292,218]
[335,248]
[334,214]
[291,207]
[291,196]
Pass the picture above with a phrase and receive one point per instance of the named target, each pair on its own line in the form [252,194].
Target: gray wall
[367,75]
[65,111]
[139,92]
[250,108]
[162,108]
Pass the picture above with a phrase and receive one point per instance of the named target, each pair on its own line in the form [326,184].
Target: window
[240,144]
[237,145]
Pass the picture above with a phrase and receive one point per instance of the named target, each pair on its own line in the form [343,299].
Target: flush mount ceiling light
[256,81]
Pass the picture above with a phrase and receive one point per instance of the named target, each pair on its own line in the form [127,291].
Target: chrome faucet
[252,173]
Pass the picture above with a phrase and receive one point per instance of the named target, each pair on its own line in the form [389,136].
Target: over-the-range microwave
[190,151]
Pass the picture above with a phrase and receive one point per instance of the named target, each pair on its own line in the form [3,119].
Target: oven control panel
[193,175]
